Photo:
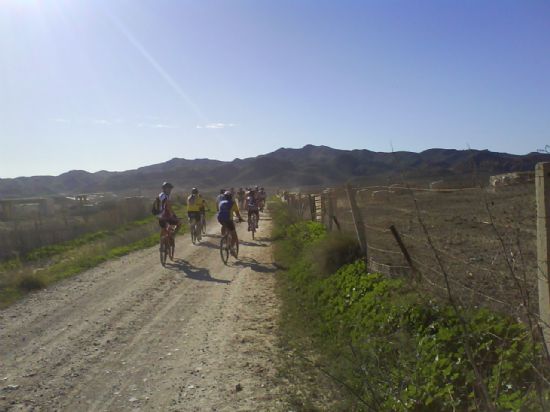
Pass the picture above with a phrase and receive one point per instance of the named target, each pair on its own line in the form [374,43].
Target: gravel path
[131,335]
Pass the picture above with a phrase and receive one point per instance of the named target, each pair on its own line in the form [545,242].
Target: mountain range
[309,166]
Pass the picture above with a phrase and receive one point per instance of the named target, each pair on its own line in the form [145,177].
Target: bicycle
[227,247]
[203,222]
[167,245]
[194,228]
[252,224]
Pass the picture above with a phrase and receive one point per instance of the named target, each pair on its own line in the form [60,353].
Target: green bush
[395,348]
[332,252]
[29,283]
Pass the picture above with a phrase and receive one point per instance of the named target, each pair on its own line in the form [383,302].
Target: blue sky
[118,84]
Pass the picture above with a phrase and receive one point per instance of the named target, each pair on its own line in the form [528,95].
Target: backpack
[225,210]
[155,210]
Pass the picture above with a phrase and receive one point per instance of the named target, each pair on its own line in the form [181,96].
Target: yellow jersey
[195,203]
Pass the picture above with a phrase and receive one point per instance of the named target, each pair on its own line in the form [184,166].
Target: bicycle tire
[172,249]
[224,250]
[163,251]
[193,233]
[234,249]
[253,223]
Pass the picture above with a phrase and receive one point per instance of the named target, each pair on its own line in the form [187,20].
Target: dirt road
[132,335]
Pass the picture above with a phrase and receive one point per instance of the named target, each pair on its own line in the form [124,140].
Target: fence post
[405,252]
[358,221]
[330,206]
[542,183]
[312,209]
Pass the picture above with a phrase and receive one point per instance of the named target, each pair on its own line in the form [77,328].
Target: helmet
[195,191]
[167,185]
[261,188]
[228,195]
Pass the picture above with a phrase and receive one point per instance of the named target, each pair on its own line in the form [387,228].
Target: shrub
[30,282]
[394,347]
[332,252]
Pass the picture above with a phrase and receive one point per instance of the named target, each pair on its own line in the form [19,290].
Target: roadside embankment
[379,344]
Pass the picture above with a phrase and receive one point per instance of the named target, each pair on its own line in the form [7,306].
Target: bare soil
[131,335]
[484,239]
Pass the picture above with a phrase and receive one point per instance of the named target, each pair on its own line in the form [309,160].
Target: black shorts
[228,224]
[194,215]
[170,221]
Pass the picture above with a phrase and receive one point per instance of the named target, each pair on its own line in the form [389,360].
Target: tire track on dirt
[131,334]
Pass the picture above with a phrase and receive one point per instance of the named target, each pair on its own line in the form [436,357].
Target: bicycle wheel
[172,247]
[224,249]
[198,231]
[163,249]
[203,225]
[193,232]
[253,224]
[233,248]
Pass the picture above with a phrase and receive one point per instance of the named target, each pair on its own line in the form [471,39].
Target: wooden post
[312,208]
[358,221]
[330,206]
[405,252]
[542,183]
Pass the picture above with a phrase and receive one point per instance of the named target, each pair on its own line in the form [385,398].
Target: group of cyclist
[227,205]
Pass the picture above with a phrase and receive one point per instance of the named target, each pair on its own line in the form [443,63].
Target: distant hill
[309,166]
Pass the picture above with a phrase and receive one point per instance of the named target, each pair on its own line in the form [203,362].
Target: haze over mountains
[308,166]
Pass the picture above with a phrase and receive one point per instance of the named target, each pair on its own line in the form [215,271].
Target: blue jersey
[226,207]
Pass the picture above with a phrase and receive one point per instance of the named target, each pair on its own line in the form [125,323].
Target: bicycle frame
[227,247]
[167,244]
[195,229]
[252,221]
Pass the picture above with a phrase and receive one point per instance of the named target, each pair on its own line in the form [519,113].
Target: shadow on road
[194,272]
[255,265]
[213,245]
[246,243]
[210,245]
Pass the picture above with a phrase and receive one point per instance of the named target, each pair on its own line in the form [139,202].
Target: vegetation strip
[394,349]
[52,263]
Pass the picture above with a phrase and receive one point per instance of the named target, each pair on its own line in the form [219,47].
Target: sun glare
[21,5]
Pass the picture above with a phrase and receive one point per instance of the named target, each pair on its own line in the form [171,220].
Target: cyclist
[241,197]
[167,216]
[219,198]
[227,208]
[252,207]
[194,204]
[262,196]
[203,208]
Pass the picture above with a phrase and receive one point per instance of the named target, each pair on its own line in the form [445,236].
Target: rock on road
[131,335]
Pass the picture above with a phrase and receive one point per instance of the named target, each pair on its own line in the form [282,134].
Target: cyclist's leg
[178,225]
[230,227]
[163,227]
[249,217]
[234,237]
[257,212]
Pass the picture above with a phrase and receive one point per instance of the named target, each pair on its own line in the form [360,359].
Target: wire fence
[484,239]
[30,229]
